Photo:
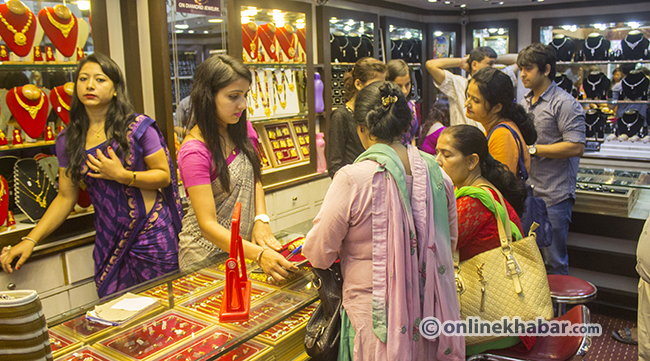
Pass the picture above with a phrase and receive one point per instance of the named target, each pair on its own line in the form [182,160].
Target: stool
[570,290]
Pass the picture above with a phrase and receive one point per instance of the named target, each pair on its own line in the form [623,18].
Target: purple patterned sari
[131,244]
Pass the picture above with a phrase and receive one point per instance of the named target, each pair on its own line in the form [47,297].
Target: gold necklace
[30,179]
[61,102]
[19,37]
[39,198]
[291,84]
[64,28]
[97,132]
[291,51]
[2,190]
[33,110]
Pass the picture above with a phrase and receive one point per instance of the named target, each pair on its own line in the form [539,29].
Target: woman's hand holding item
[108,167]
[263,236]
[275,265]
[22,250]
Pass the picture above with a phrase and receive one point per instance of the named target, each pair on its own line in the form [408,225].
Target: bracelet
[259,255]
[132,181]
[29,239]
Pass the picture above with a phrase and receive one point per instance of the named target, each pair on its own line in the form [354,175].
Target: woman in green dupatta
[462,152]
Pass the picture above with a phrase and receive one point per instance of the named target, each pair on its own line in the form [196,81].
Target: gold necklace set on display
[64,28]
[19,37]
[292,51]
[61,102]
[32,110]
[265,100]
[39,198]
[279,89]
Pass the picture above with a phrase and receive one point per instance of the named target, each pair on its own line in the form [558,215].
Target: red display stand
[237,294]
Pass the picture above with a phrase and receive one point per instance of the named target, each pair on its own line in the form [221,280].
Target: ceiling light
[215,21]
[492,30]
[433,1]
[447,2]
[437,33]
[83,5]
[463,5]
[178,31]
[191,31]
[182,26]
[634,24]
[206,32]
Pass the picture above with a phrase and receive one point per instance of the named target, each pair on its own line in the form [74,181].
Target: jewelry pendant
[267,112]
[343,53]
[20,39]
[283,104]
[252,47]
[593,87]
[593,52]
[629,126]
[356,54]
[250,110]
[292,53]
[272,48]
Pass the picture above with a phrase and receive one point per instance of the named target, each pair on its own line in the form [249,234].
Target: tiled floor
[605,347]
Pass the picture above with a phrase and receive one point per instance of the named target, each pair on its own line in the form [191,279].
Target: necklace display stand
[564,47]
[266,37]
[596,85]
[630,123]
[343,48]
[301,57]
[635,85]
[29,106]
[33,189]
[595,122]
[250,42]
[19,29]
[7,164]
[635,46]
[285,38]
[62,28]
[4,200]
[61,99]
[596,47]
[564,82]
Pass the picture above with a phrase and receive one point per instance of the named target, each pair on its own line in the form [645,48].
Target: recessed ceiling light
[206,32]
[215,21]
[433,1]
[191,31]
[463,5]
[178,31]
[182,26]
[447,2]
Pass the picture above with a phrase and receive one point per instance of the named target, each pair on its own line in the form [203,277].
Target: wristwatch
[262,217]
[532,149]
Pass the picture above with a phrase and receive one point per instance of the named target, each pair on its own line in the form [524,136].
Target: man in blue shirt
[560,124]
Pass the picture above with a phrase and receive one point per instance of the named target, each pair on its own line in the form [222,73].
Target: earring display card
[215,338]
[188,285]
[282,143]
[273,94]
[338,85]
[150,338]
[209,303]
[301,130]
[61,344]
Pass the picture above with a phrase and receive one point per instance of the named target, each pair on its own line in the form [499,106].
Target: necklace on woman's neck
[97,132]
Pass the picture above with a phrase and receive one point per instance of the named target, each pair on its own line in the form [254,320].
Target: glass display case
[500,35]
[496,38]
[186,326]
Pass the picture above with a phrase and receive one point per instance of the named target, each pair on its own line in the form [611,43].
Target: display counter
[185,325]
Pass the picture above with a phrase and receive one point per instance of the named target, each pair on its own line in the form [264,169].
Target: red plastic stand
[237,294]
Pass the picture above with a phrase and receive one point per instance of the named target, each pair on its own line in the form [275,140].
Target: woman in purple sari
[123,161]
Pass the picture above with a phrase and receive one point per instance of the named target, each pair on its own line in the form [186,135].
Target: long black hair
[496,88]
[116,123]
[214,74]
[364,69]
[382,108]
[470,140]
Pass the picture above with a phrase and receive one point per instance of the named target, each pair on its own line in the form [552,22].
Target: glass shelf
[39,144]
[22,66]
[273,66]
[613,101]
[602,62]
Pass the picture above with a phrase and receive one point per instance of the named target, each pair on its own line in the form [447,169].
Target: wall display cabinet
[500,35]
[443,41]
[605,65]
[275,43]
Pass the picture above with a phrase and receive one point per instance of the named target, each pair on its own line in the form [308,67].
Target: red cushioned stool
[570,290]
[559,348]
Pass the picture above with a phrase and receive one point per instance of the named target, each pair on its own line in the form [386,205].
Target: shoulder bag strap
[523,173]
[512,267]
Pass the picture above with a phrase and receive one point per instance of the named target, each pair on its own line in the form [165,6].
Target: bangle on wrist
[259,256]
[132,181]
[29,239]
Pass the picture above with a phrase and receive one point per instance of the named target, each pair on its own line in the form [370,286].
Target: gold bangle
[29,239]
[259,255]
[132,181]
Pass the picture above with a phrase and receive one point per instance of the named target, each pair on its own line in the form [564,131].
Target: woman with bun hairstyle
[490,101]
[391,219]
[219,167]
[400,74]
[463,155]
[343,144]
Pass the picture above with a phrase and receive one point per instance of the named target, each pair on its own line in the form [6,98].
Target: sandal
[627,339]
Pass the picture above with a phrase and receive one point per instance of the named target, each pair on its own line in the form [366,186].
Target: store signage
[204,7]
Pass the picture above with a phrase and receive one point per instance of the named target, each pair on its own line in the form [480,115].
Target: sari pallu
[412,262]
[131,244]
[193,246]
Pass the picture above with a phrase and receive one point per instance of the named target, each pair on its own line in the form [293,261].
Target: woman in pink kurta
[391,219]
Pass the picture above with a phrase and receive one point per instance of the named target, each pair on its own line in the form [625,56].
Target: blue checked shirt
[558,118]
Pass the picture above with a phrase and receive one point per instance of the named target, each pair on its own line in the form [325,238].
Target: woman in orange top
[490,101]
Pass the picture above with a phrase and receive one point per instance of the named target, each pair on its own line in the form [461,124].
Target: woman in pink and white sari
[391,219]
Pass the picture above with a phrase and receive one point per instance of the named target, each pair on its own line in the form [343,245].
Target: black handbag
[535,208]
[323,330]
